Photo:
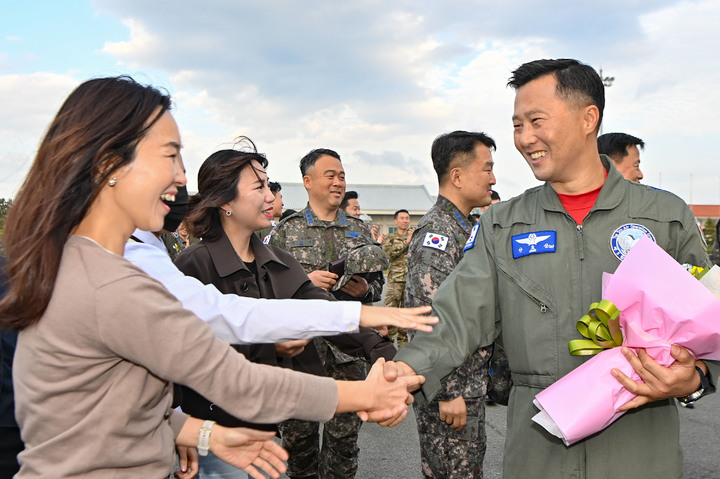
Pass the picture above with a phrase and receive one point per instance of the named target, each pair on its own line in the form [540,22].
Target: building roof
[374,199]
[703,211]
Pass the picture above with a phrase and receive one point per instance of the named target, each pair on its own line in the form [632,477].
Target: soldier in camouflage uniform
[395,247]
[452,426]
[317,236]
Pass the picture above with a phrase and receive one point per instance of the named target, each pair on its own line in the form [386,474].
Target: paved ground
[394,453]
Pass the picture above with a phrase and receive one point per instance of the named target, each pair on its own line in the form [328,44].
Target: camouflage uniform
[395,247]
[435,249]
[314,243]
[174,244]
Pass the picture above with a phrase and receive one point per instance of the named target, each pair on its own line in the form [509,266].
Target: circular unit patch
[624,238]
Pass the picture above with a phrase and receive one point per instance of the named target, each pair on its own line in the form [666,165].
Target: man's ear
[455,177]
[306,182]
[591,119]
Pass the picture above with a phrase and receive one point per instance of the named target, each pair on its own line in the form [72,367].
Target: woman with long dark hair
[100,343]
[233,201]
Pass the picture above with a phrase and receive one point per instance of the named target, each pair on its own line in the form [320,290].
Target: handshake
[386,393]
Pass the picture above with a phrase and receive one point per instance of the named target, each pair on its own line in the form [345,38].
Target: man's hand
[454,412]
[410,234]
[407,318]
[678,380]
[392,397]
[290,349]
[323,279]
[357,287]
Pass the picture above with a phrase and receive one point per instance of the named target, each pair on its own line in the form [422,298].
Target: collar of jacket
[227,261]
[611,194]
[341,220]
[449,207]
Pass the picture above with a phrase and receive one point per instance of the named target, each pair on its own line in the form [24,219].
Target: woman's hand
[189,465]
[251,450]
[407,318]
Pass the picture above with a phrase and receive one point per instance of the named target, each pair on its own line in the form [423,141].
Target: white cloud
[29,104]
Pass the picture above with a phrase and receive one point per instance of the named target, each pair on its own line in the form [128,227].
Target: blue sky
[376,81]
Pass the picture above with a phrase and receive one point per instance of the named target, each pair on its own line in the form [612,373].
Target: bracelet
[204,438]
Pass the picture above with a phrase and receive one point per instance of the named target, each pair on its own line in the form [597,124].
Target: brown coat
[279,276]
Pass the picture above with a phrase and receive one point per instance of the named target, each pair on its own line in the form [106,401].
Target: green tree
[4,207]
[709,233]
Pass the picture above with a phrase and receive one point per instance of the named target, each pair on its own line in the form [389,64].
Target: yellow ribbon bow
[600,327]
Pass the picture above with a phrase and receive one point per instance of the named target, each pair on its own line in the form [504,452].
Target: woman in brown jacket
[100,342]
[234,201]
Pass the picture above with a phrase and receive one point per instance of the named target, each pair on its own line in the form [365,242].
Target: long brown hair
[217,184]
[95,132]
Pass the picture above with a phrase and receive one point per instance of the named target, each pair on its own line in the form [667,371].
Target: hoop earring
[112,182]
[228,213]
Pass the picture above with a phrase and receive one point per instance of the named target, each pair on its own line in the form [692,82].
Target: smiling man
[320,236]
[535,294]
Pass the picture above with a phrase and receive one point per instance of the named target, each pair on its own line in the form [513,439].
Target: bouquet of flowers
[650,302]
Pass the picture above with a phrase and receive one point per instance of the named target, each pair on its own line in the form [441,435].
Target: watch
[704,386]
[203,446]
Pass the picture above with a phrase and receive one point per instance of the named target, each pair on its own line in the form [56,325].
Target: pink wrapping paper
[661,304]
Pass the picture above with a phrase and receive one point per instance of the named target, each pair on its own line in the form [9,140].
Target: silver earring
[112,182]
[228,213]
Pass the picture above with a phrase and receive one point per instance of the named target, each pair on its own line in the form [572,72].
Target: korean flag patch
[434,240]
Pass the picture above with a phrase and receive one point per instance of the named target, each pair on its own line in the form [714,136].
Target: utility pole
[607,81]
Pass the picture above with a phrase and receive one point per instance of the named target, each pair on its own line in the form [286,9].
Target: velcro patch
[473,236]
[434,240]
[534,243]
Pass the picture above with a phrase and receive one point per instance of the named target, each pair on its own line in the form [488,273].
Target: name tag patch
[534,243]
[473,236]
[434,240]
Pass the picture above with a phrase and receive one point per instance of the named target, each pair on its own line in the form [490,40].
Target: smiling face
[353,208]
[477,177]
[402,222]
[252,206]
[156,171]
[325,183]
[553,134]
[277,205]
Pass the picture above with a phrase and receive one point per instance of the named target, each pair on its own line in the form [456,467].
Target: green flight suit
[536,300]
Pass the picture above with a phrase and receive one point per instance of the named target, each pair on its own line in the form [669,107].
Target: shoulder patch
[473,236]
[266,239]
[434,240]
[624,238]
[536,242]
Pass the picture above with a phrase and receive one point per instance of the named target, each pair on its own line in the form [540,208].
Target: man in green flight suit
[535,295]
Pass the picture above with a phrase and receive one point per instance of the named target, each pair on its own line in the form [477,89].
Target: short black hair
[456,145]
[401,211]
[494,195]
[349,195]
[575,81]
[615,145]
[274,187]
[309,160]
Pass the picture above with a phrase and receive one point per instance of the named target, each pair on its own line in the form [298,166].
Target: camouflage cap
[368,258]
